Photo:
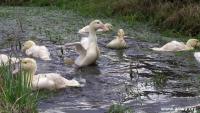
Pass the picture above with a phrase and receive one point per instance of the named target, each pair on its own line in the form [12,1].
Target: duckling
[31,49]
[88,50]
[119,42]
[179,46]
[5,60]
[50,81]
[85,29]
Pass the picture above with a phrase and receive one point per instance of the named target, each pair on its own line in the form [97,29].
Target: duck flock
[88,51]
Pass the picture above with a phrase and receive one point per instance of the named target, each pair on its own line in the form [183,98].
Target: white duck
[85,29]
[197,56]
[179,46]
[5,60]
[119,42]
[31,49]
[49,81]
[88,49]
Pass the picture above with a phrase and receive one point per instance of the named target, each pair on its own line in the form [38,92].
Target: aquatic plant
[15,92]
[118,108]
[159,80]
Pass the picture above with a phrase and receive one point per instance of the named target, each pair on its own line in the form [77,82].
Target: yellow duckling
[89,50]
[85,29]
[119,42]
[179,46]
[31,49]
[49,81]
[5,60]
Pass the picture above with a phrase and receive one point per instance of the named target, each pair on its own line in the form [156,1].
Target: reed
[15,92]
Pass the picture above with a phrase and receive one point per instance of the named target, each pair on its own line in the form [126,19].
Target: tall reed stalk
[15,92]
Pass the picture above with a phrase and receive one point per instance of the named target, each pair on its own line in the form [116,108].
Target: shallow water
[160,82]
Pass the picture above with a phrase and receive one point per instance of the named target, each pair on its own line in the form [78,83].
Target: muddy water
[147,81]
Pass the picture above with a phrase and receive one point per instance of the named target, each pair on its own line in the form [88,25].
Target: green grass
[117,108]
[181,15]
[171,17]
[159,80]
[15,92]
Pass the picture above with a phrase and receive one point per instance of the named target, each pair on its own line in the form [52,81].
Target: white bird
[85,29]
[31,49]
[49,81]
[88,49]
[197,56]
[119,41]
[179,46]
[5,60]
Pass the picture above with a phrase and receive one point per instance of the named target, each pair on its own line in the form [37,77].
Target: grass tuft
[15,92]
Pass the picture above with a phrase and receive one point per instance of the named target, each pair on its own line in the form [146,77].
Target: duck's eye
[25,62]
[98,22]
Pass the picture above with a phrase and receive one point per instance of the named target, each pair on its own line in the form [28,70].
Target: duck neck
[189,46]
[92,35]
[120,37]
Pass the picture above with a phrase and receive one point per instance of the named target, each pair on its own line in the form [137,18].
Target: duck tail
[72,83]
[157,49]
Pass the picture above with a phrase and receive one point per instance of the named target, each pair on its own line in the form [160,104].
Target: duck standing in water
[179,46]
[86,29]
[119,42]
[31,49]
[87,48]
[50,81]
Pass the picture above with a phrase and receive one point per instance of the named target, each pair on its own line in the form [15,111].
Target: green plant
[159,80]
[117,108]
[15,92]
[182,16]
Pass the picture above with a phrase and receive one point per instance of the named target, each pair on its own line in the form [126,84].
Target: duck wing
[55,80]
[79,47]
[85,42]
[84,30]
[174,46]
